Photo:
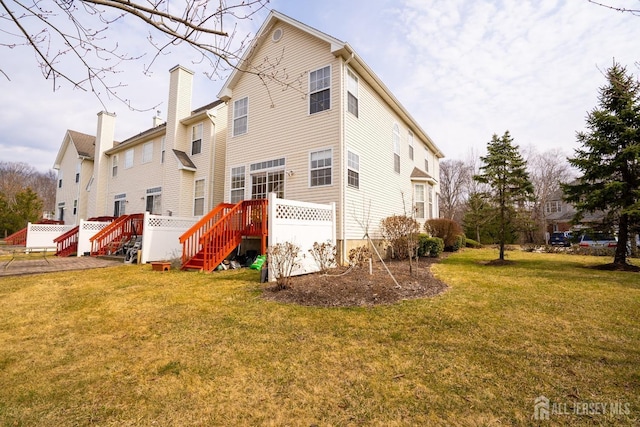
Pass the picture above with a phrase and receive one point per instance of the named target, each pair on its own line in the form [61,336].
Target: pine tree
[609,159]
[505,171]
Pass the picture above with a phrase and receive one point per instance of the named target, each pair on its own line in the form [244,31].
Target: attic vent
[277,35]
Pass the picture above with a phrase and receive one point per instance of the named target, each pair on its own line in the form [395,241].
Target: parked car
[560,238]
[597,240]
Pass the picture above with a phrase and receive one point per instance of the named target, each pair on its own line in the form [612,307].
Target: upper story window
[240,116]
[352,93]
[196,139]
[128,158]
[553,206]
[427,155]
[237,184]
[410,138]
[147,152]
[162,149]
[78,167]
[114,165]
[320,168]
[396,148]
[198,198]
[353,170]
[320,90]
[60,178]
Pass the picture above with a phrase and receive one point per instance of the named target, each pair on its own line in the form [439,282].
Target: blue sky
[463,69]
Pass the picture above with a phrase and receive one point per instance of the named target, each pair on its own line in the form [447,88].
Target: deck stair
[116,235]
[217,234]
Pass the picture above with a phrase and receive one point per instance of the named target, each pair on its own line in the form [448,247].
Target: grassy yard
[129,346]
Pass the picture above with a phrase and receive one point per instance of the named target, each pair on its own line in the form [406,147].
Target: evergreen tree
[609,159]
[505,171]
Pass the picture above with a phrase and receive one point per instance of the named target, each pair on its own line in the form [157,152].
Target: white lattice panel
[93,226]
[43,235]
[170,222]
[303,213]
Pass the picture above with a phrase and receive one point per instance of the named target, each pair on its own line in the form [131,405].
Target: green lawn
[129,346]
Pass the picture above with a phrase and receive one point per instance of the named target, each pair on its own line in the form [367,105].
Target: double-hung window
[237,184]
[162,149]
[60,178]
[198,198]
[352,93]
[353,170]
[114,165]
[410,138]
[419,200]
[196,139]
[320,90]
[147,152]
[320,168]
[78,167]
[240,114]
[128,158]
[396,148]
[427,155]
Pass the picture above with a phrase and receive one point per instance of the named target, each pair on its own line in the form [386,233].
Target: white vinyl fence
[41,236]
[86,230]
[301,224]
[161,237]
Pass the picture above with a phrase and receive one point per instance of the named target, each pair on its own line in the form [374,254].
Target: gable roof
[83,144]
[338,48]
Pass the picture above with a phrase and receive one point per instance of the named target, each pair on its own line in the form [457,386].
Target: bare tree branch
[618,9]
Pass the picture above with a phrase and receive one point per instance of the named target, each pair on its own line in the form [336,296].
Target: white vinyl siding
[320,90]
[240,116]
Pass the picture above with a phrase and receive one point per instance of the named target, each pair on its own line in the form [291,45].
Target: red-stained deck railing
[110,239]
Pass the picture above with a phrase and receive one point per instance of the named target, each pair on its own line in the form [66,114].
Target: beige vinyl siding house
[336,146]
[74,163]
[163,169]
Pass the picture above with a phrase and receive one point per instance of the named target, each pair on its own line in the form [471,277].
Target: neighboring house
[559,215]
[340,136]
[174,168]
[75,168]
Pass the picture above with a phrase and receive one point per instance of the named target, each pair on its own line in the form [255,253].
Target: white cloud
[465,69]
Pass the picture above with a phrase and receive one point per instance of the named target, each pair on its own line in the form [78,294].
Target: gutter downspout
[212,167]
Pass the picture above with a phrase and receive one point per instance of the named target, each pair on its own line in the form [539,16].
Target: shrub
[282,258]
[359,256]
[401,231]
[430,246]
[448,230]
[470,243]
[324,254]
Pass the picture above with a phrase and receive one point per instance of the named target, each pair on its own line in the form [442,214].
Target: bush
[430,246]
[400,231]
[359,256]
[324,254]
[448,230]
[470,243]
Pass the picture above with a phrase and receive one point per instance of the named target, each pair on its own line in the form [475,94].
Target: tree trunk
[620,257]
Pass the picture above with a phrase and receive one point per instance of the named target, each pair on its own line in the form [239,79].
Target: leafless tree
[17,176]
[81,43]
[547,171]
[608,5]
[454,184]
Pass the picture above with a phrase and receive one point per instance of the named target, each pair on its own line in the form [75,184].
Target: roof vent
[276,35]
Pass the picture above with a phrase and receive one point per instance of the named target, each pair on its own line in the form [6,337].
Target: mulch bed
[342,287]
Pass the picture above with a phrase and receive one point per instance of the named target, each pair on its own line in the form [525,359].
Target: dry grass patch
[128,346]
